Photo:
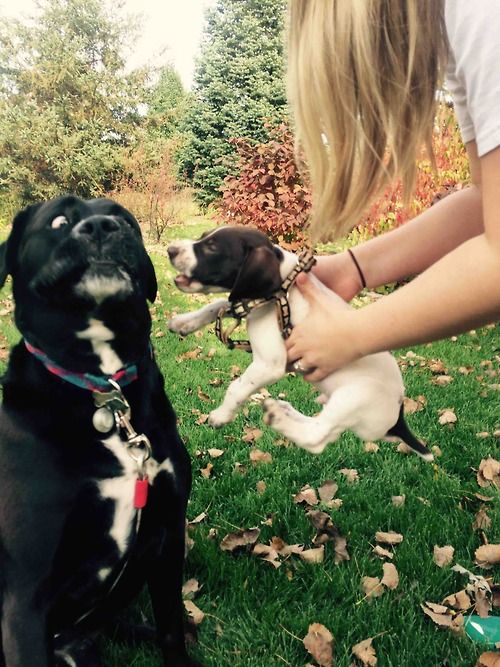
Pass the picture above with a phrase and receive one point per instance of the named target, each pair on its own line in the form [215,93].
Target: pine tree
[239,89]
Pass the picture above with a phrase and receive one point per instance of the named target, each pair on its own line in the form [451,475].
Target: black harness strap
[239,310]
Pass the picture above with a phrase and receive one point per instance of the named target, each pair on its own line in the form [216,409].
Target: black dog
[85,432]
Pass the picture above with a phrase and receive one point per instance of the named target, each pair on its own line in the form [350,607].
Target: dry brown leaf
[481,521]
[436,366]
[240,539]
[391,576]
[365,652]
[251,434]
[488,555]
[258,456]
[215,453]
[206,472]
[314,556]
[202,419]
[190,588]
[267,553]
[190,354]
[443,617]
[447,417]
[460,600]
[489,659]
[319,643]
[198,519]
[411,405]
[328,490]
[340,549]
[261,487]
[350,474]
[306,495]
[398,501]
[389,537]
[382,553]
[194,612]
[443,555]
[489,473]
[436,451]
[202,396]
[442,380]
[372,587]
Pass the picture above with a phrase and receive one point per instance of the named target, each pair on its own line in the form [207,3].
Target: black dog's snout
[96,228]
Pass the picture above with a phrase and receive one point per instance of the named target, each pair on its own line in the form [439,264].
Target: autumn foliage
[270,194]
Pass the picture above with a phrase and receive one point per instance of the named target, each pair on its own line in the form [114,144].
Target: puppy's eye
[59,221]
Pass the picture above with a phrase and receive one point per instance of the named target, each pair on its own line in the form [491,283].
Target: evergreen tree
[66,108]
[239,89]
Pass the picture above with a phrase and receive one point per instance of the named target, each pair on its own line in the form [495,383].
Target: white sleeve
[473,76]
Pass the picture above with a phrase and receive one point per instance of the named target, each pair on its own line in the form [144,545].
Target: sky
[171,30]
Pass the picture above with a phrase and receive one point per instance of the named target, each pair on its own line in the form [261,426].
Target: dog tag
[141,493]
[103,420]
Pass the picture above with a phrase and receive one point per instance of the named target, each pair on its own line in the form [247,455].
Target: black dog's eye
[59,221]
[211,245]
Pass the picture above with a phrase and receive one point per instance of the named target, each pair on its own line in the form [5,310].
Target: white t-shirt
[473,74]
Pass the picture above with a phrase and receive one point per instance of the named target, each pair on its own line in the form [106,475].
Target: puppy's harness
[239,310]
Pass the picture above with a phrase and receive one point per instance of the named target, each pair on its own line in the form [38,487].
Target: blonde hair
[362,82]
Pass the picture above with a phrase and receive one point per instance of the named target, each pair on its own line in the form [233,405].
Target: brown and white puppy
[365,397]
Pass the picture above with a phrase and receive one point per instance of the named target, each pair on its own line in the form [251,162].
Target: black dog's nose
[173,251]
[96,228]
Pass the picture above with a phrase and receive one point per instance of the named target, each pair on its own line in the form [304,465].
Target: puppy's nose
[96,228]
[173,251]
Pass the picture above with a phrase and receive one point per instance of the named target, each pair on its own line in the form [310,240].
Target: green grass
[256,615]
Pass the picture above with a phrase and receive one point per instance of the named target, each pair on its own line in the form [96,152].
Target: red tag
[141,493]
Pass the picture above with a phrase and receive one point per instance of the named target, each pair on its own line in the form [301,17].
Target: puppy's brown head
[236,259]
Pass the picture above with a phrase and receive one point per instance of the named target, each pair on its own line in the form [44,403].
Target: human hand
[327,339]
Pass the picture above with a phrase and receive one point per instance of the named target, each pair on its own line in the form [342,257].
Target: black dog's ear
[151,282]
[8,249]
[3,264]
[259,275]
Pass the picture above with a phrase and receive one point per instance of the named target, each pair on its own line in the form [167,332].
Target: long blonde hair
[362,82]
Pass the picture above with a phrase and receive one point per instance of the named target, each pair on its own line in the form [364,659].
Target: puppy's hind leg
[311,433]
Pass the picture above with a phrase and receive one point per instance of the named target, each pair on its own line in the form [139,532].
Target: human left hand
[327,338]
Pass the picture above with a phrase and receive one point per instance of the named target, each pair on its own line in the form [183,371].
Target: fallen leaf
[391,576]
[202,419]
[314,556]
[306,495]
[202,396]
[398,501]
[436,366]
[460,600]
[489,473]
[443,617]
[443,555]
[350,474]
[261,487]
[198,519]
[481,521]
[388,538]
[411,405]
[190,588]
[488,555]
[215,453]
[372,587]
[340,549]
[240,539]
[251,434]
[319,643]
[488,659]
[258,456]
[442,380]
[267,553]
[194,612]
[365,652]
[437,451]
[206,472]
[328,490]
[382,553]
[447,417]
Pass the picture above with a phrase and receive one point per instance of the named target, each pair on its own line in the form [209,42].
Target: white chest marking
[99,337]
[121,490]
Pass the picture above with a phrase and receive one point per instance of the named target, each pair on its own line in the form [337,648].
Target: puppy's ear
[9,249]
[259,275]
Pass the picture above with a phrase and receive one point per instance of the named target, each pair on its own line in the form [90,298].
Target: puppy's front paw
[182,324]
[219,417]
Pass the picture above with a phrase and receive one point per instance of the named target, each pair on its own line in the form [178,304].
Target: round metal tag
[103,420]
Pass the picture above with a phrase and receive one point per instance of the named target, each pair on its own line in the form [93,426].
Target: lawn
[256,615]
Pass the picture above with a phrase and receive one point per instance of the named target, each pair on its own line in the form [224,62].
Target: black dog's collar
[94,383]
[238,310]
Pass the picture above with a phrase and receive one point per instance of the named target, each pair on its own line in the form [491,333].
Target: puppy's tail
[401,431]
